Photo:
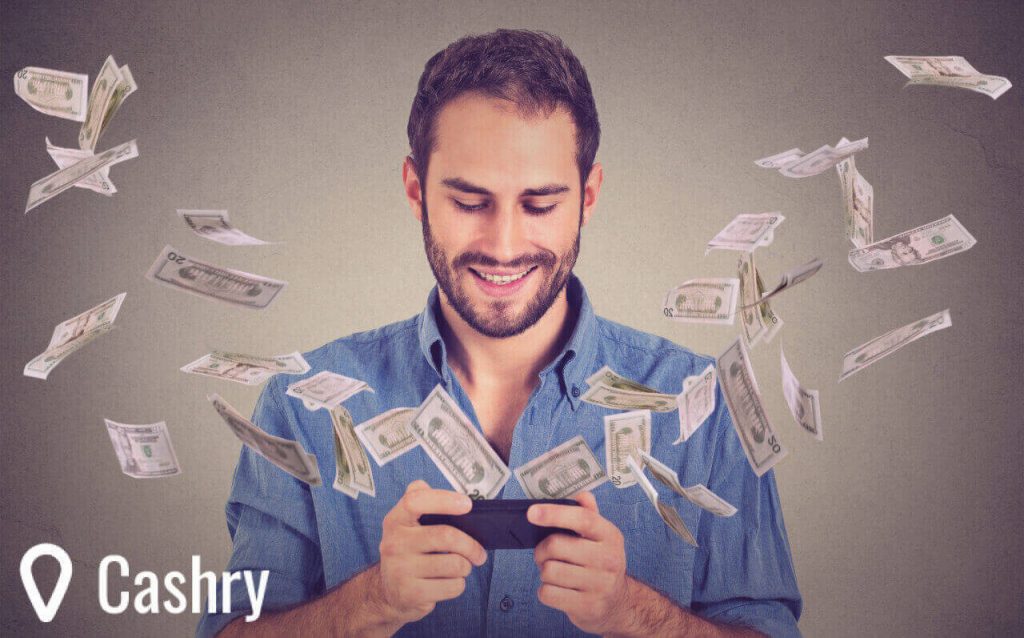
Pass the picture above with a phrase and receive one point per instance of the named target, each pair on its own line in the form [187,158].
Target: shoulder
[397,337]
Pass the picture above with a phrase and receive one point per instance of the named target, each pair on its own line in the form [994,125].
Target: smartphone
[501,523]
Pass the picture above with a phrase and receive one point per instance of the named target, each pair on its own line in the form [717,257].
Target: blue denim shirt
[313,539]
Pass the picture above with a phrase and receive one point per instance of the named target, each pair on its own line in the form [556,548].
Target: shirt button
[575,390]
[506,604]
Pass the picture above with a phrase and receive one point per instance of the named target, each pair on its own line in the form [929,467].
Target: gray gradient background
[906,520]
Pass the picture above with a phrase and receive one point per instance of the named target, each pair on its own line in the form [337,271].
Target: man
[502,177]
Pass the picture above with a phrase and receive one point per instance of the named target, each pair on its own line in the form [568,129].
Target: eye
[469,207]
[539,210]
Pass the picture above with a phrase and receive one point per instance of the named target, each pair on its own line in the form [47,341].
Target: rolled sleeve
[272,524]
[743,571]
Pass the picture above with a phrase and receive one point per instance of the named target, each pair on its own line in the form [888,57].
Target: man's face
[502,213]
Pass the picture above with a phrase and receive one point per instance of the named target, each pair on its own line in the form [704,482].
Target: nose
[505,236]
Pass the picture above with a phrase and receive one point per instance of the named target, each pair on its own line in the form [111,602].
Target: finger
[422,499]
[570,549]
[587,500]
[560,597]
[447,539]
[586,522]
[438,589]
[439,566]
[443,589]
[566,575]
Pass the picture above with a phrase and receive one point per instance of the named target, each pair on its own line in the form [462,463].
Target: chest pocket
[625,513]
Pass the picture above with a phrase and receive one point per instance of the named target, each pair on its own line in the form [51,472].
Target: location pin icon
[46,610]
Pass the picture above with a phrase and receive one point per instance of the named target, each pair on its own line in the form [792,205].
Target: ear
[413,192]
[590,191]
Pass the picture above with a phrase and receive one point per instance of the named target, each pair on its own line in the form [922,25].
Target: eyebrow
[462,185]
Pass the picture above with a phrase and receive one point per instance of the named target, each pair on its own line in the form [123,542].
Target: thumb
[417,486]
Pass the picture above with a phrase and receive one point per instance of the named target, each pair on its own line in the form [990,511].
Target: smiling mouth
[502,280]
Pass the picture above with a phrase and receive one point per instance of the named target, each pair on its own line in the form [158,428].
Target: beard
[499,319]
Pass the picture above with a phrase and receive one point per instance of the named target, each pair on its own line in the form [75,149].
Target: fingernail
[535,514]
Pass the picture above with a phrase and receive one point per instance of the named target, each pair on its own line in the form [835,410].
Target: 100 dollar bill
[669,514]
[624,434]
[938,239]
[562,471]
[457,448]
[56,183]
[56,93]
[144,451]
[698,494]
[286,454]
[387,436]
[757,436]
[173,269]
[353,473]
[246,369]
[948,70]
[864,355]
[858,203]
[71,334]
[803,404]
[710,301]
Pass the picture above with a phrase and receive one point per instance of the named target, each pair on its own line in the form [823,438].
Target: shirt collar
[572,365]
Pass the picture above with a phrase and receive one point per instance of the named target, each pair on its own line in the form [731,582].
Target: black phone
[501,523]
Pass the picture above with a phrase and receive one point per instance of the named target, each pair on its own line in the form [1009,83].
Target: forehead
[487,141]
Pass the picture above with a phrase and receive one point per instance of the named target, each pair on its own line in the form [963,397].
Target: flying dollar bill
[216,226]
[387,436]
[246,369]
[864,355]
[818,161]
[56,93]
[562,472]
[46,188]
[858,203]
[65,157]
[669,514]
[710,301]
[113,84]
[759,321]
[71,334]
[326,389]
[286,454]
[144,451]
[457,448]
[353,474]
[698,494]
[780,160]
[803,404]
[948,70]
[938,239]
[696,402]
[789,279]
[175,270]
[624,434]
[613,379]
[747,232]
[616,399]
[743,398]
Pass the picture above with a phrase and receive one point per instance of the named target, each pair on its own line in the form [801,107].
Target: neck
[479,360]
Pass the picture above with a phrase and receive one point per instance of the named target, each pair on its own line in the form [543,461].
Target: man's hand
[583,577]
[421,565]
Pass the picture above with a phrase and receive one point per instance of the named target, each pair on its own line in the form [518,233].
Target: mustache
[546,259]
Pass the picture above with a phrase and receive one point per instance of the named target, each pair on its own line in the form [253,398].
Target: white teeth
[501,280]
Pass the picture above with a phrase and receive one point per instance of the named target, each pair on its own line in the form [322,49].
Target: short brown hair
[532,69]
